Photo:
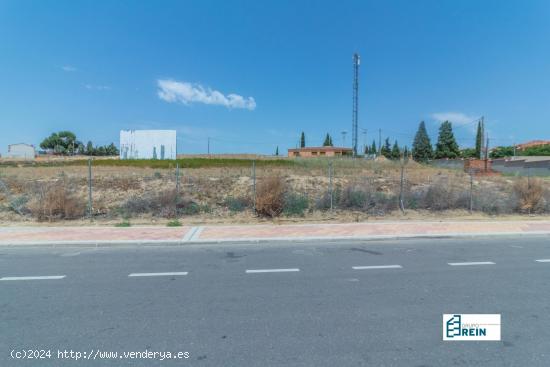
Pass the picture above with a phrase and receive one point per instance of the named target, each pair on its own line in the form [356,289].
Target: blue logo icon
[453,326]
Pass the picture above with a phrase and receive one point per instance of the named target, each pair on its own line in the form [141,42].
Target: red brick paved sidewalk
[84,235]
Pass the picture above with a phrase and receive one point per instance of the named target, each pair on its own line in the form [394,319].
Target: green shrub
[295,204]
[236,204]
[174,223]
[123,224]
[165,204]
[353,197]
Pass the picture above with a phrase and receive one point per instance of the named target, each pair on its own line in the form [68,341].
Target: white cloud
[457,118]
[186,93]
[96,87]
[68,68]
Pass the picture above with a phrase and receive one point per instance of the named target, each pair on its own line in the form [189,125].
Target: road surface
[345,303]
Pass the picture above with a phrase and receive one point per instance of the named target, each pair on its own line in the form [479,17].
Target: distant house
[148,144]
[21,151]
[311,152]
[532,143]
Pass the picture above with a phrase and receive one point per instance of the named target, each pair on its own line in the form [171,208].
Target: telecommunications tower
[354,117]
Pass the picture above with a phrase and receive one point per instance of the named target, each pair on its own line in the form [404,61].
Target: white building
[21,151]
[148,144]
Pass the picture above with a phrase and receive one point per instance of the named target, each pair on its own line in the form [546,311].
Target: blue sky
[253,74]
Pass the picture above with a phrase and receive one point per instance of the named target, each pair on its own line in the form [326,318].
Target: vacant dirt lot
[359,190]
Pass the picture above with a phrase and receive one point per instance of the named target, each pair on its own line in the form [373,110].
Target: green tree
[277,151]
[446,146]
[479,139]
[62,142]
[395,151]
[501,152]
[328,141]
[373,148]
[303,140]
[469,153]
[536,150]
[386,149]
[111,150]
[89,148]
[422,150]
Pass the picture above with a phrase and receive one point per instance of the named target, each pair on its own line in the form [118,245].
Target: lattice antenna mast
[355,109]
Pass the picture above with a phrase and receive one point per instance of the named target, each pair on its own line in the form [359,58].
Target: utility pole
[355,104]
[208,147]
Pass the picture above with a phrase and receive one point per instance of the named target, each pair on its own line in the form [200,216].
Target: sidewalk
[243,233]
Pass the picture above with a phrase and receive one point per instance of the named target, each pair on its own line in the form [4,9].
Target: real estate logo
[471,327]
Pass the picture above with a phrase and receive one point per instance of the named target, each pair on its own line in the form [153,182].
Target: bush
[439,196]
[295,204]
[529,194]
[123,224]
[490,201]
[174,223]
[56,200]
[17,204]
[270,195]
[354,197]
[166,204]
[237,204]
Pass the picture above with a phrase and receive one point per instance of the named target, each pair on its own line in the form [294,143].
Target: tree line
[422,149]
[66,143]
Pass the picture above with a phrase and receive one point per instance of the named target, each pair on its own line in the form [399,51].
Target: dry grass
[56,200]
[530,193]
[224,194]
[270,196]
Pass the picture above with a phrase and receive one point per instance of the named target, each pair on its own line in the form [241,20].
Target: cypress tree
[386,149]
[446,143]
[303,140]
[277,151]
[395,151]
[373,148]
[328,141]
[422,150]
[479,139]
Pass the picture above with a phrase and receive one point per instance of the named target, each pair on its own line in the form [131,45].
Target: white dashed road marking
[48,277]
[377,267]
[157,274]
[252,271]
[473,263]
[543,260]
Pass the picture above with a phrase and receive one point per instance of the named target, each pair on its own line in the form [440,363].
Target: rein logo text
[471,327]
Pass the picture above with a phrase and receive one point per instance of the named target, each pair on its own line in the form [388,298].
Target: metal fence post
[90,203]
[254,183]
[176,197]
[177,179]
[330,189]
[471,192]
[401,204]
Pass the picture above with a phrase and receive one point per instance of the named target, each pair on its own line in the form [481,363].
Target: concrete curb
[188,242]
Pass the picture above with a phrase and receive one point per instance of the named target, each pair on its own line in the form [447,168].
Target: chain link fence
[307,188]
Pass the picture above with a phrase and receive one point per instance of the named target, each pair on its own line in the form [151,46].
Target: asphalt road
[277,304]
